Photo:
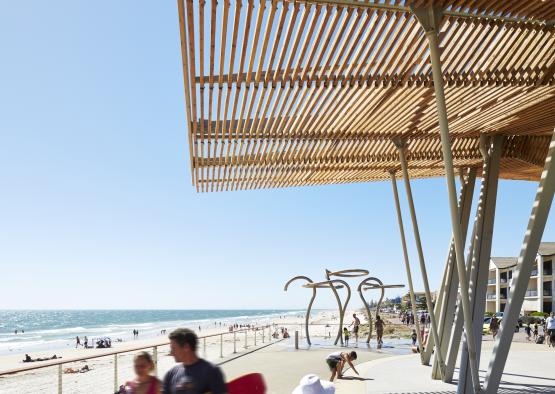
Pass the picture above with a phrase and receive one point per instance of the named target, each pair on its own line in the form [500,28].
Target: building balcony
[491,281]
[547,292]
[491,296]
[534,272]
[531,293]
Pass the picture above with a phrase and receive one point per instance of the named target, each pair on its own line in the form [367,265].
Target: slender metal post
[417,240]
[263,334]
[221,345]
[234,341]
[246,339]
[430,18]
[406,257]
[296,339]
[480,265]
[530,245]
[155,359]
[60,379]
[448,297]
[254,338]
[116,386]
[204,346]
[455,341]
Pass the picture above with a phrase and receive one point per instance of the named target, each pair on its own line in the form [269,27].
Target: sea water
[57,329]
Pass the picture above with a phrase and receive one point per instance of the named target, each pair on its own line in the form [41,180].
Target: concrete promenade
[530,369]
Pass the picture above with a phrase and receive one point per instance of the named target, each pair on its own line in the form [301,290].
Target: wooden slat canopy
[309,92]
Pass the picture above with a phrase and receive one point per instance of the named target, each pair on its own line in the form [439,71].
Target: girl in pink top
[144,382]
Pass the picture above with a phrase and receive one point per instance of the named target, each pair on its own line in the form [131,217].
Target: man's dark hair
[184,336]
[353,355]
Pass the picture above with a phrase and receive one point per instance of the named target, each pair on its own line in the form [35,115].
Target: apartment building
[539,295]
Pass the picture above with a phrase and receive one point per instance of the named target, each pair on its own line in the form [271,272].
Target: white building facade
[541,285]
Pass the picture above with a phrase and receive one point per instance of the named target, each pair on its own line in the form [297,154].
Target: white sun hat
[311,384]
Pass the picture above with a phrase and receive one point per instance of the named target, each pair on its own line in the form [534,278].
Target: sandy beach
[100,378]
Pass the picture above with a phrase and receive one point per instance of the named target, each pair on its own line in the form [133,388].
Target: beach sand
[100,379]
[279,362]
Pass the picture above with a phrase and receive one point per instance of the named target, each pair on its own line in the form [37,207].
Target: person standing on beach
[77,342]
[193,375]
[355,323]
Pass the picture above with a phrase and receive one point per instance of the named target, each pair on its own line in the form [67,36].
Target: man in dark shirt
[192,375]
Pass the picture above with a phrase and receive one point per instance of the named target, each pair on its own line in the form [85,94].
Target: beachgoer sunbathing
[336,362]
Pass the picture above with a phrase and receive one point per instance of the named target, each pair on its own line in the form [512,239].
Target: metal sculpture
[309,304]
[332,284]
[365,285]
[350,273]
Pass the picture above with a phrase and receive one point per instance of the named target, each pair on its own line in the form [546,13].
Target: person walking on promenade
[528,331]
[550,324]
[414,337]
[336,362]
[379,330]
[494,326]
[535,331]
[77,342]
[193,375]
[144,382]
[356,324]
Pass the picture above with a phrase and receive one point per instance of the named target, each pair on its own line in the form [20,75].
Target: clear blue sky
[96,204]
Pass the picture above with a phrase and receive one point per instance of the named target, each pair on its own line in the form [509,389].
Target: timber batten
[284,94]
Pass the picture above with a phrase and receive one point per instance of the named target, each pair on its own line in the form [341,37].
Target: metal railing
[258,336]
[531,293]
[491,281]
[491,296]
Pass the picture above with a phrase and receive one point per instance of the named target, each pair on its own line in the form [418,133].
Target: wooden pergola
[310,92]
[292,93]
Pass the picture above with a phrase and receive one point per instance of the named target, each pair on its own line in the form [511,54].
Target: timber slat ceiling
[294,93]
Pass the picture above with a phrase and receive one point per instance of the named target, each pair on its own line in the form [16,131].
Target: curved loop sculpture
[309,304]
[332,285]
[365,282]
[350,273]
[368,286]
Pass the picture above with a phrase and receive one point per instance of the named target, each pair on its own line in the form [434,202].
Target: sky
[97,209]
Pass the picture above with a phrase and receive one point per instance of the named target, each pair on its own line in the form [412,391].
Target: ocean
[56,329]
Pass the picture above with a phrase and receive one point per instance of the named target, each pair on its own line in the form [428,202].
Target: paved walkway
[530,368]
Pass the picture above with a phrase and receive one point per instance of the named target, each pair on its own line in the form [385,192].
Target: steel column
[456,334]
[482,254]
[530,245]
[450,286]
[416,231]
[406,257]
[430,18]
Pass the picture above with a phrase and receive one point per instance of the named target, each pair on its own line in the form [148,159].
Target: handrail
[60,361]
